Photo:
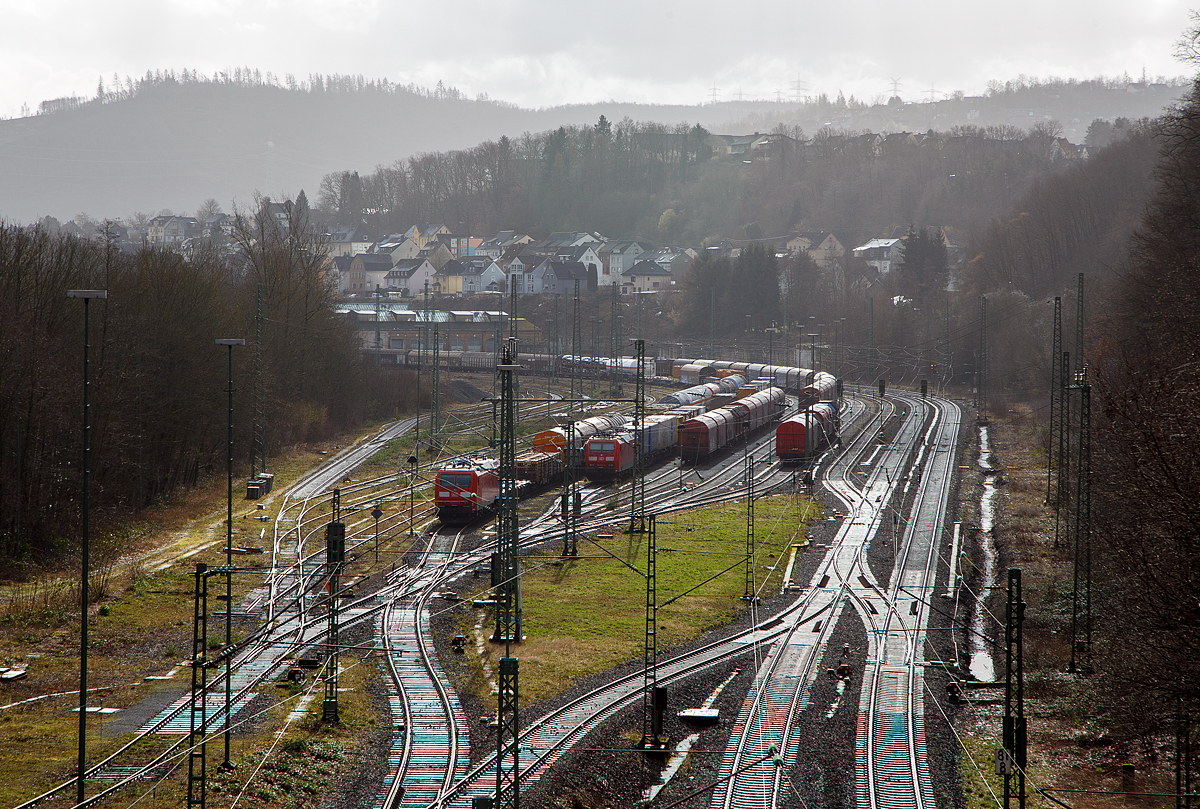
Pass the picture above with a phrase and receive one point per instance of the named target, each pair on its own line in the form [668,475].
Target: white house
[646,276]
[481,274]
[617,257]
[410,276]
[398,247]
[884,255]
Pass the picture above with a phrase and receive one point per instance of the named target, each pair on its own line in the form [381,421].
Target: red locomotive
[609,456]
[467,490]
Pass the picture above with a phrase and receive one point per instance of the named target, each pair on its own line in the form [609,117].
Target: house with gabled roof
[673,259]
[481,274]
[518,264]
[435,253]
[1063,149]
[561,239]
[162,231]
[348,240]
[899,141]
[422,234]
[824,248]
[585,254]
[367,271]
[559,277]
[502,242]
[460,247]
[884,255]
[618,256]
[738,145]
[410,276]
[337,271]
[217,227]
[397,246]
[646,275]
[281,213]
[448,279]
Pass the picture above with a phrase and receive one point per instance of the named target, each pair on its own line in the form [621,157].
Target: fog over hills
[172,144]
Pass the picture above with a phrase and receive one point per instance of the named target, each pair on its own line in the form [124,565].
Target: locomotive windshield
[603,446]
[460,480]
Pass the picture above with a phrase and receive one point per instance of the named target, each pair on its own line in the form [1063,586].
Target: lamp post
[87,295]
[771,344]
[227,763]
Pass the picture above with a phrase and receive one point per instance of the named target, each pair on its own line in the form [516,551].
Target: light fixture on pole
[227,763]
[87,295]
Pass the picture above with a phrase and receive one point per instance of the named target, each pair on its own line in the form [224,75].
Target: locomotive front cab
[455,492]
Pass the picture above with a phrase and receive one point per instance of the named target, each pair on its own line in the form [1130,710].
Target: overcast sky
[538,53]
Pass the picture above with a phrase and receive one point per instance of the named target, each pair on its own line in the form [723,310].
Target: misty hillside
[172,144]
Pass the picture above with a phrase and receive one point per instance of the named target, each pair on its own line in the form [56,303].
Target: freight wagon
[807,434]
[705,435]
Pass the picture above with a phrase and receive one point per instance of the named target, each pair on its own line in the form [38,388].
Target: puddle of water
[982,666]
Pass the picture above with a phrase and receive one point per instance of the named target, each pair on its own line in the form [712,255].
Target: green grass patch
[587,615]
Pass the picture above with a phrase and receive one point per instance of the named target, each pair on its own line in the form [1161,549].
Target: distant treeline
[120,88]
[158,381]
[670,183]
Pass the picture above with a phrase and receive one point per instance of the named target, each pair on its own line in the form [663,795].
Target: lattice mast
[650,723]
[1081,602]
[983,361]
[637,494]
[1014,726]
[749,464]
[197,745]
[616,378]
[508,613]
[1055,406]
[335,559]
[258,448]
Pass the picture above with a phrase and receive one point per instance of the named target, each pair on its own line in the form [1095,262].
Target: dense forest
[1145,374]
[157,380]
[670,184]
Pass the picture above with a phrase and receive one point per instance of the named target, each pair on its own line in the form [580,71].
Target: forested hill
[168,141]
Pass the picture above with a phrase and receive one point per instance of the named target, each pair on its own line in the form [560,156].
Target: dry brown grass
[139,623]
[1062,752]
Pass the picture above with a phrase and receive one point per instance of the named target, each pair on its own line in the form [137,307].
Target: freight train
[807,434]
[726,402]
[812,386]
[703,392]
[708,433]
[609,456]
[469,488]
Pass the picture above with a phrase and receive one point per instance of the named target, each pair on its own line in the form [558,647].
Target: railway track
[784,681]
[430,754]
[893,769]
[431,762]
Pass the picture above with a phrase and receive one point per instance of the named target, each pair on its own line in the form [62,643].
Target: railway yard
[819,667]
